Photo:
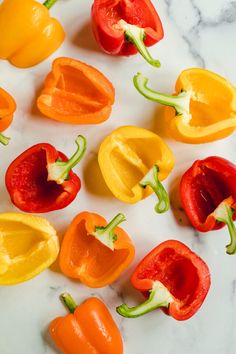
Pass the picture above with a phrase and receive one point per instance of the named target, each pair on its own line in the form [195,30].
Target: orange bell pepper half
[76,93]
[88,329]
[95,252]
[7,109]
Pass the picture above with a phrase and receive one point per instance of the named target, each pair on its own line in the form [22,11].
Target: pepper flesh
[41,178]
[7,109]
[95,252]
[28,34]
[28,245]
[203,109]
[171,277]
[88,329]
[208,193]
[127,156]
[76,93]
[123,27]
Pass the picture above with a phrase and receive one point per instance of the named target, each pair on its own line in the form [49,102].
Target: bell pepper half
[28,34]
[133,161]
[123,27]
[7,109]
[41,178]
[28,245]
[88,329]
[203,109]
[171,277]
[208,196]
[95,252]
[76,93]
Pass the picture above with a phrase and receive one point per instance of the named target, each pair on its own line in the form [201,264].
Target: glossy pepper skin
[132,158]
[88,329]
[28,33]
[94,251]
[208,196]
[7,109]
[203,108]
[28,245]
[123,27]
[41,180]
[171,277]
[76,93]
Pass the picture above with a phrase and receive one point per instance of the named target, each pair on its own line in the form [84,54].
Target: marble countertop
[198,33]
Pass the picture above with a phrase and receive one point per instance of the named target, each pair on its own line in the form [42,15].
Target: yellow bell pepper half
[28,34]
[28,245]
[133,161]
[203,109]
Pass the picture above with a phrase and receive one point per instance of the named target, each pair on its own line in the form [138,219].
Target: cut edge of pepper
[105,234]
[136,36]
[159,297]
[180,102]
[59,170]
[224,213]
[151,180]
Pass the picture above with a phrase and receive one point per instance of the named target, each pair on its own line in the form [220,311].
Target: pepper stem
[105,234]
[136,36]
[4,140]
[181,102]
[68,301]
[151,179]
[49,3]
[224,213]
[59,170]
[159,297]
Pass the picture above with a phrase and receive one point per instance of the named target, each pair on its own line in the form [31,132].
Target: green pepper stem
[105,234]
[4,140]
[49,3]
[59,170]
[159,297]
[151,179]
[224,213]
[68,301]
[181,102]
[136,36]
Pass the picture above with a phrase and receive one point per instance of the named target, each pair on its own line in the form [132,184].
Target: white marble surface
[197,33]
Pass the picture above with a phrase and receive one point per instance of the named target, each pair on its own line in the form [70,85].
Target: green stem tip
[159,297]
[136,36]
[151,180]
[59,170]
[4,140]
[181,102]
[49,3]
[68,301]
[224,213]
[105,234]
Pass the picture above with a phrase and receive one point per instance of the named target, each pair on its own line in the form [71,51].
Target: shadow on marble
[46,337]
[55,266]
[93,179]
[158,125]
[176,205]
[127,293]
[34,110]
[85,39]
[6,206]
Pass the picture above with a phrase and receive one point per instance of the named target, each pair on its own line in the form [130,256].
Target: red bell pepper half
[171,277]
[41,178]
[208,195]
[123,27]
